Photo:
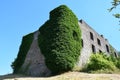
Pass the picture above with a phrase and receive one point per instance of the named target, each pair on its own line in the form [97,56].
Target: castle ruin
[92,42]
[36,50]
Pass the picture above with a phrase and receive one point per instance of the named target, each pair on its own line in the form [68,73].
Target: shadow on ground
[14,76]
[11,76]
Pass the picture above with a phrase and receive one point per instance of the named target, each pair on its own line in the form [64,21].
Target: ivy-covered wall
[60,40]
[25,46]
[113,52]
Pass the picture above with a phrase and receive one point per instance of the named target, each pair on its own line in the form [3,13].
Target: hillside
[66,76]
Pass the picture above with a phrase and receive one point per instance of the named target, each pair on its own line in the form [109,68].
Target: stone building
[92,42]
[30,59]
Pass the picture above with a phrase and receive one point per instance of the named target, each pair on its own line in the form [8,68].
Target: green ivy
[101,63]
[60,40]
[25,46]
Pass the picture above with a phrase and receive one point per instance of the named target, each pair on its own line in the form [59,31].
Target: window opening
[93,49]
[100,51]
[107,48]
[115,54]
[98,41]
[82,43]
[91,35]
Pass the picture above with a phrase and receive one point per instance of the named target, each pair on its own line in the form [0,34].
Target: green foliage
[111,50]
[115,3]
[118,63]
[100,62]
[60,40]
[119,54]
[24,70]
[117,15]
[26,42]
[115,60]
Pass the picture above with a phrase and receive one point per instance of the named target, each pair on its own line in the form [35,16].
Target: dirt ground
[66,76]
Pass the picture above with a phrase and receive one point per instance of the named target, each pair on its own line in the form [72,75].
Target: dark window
[107,48]
[115,54]
[82,43]
[98,41]
[91,35]
[75,36]
[93,49]
[101,36]
[100,51]
[80,21]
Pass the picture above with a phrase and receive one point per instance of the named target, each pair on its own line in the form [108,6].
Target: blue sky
[20,17]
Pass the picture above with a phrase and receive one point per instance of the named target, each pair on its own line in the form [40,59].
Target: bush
[118,63]
[60,40]
[25,46]
[115,60]
[99,62]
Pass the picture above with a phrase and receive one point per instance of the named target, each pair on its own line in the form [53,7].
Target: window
[75,36]
[93,49]
[107,48]
[91,35]
[82,43]
[101,36]
[98,41]
[115,54]
[100,51]
[80,21]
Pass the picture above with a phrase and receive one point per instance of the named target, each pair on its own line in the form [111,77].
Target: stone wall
[34,64]
[92,43]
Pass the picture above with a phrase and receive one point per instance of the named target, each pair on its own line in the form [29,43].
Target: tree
[115,4]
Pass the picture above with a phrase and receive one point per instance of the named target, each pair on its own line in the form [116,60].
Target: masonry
[42,54]
[92,42]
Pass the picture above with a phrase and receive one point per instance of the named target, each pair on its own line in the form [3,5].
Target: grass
[66,76]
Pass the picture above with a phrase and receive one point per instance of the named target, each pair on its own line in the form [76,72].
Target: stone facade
[34,64]
[92,42]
